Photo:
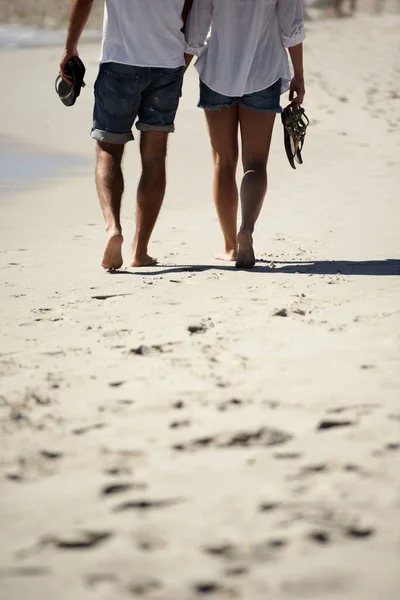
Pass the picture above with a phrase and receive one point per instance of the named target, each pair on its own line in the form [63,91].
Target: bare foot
[245,256]
[228,256]
[112,258]
[142,261]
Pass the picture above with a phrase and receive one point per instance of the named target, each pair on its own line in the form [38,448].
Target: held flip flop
[295,123]
[68,93]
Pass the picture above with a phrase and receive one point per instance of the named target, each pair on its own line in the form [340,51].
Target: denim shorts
[123,93]
[267,100]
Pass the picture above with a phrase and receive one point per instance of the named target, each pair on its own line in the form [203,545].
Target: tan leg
[223,128]
[110,187]
[150,194]
[256,132]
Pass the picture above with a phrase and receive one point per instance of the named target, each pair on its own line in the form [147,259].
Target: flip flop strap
[64,96]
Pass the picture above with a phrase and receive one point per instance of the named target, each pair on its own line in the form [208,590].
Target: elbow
[296,37]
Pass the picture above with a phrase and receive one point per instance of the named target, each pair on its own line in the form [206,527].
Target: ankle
[247,231]
[230,243]
[113,231]
[139,249]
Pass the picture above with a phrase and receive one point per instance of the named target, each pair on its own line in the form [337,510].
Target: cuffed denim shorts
[267,100]
[124,93]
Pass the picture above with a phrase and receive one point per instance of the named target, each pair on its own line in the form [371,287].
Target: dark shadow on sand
[387,267]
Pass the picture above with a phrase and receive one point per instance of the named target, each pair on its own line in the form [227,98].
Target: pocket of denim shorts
[118,93]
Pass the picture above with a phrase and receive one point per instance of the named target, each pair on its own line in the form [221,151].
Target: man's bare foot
[112,258]
[229,255]
[245,256]
[143,260]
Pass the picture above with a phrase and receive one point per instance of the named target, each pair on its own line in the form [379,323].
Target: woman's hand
[297,87]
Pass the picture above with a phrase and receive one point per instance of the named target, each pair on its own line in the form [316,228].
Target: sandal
[68,93]
[295,123]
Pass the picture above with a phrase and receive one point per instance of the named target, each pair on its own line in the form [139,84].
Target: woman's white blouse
[245,49]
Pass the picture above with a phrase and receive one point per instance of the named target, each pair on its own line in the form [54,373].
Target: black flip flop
[68,93]
[295,123]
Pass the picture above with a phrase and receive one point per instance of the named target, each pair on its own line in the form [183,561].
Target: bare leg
[223,128]
[150,195]
[110,187]
[256,132]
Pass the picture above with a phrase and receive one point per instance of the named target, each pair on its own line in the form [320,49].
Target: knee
[255,166]
[225,163]
[107,153]
[153,159]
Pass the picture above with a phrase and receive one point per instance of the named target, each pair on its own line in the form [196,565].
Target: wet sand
[191,430]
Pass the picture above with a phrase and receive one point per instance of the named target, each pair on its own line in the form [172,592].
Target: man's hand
[68,54]
[297,87]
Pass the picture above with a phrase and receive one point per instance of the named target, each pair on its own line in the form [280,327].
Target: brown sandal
[295,123]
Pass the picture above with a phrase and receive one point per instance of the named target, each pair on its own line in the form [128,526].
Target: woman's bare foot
[245,257]
[228,255]
[112,258]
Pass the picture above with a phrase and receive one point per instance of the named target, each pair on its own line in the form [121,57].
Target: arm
[291,21]
[185,14]
[78,17]
[197,27]
[186,10]
[297,84]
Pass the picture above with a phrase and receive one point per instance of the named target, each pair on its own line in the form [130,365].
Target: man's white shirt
[143,33]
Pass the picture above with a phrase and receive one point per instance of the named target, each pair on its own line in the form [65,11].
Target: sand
[190,430]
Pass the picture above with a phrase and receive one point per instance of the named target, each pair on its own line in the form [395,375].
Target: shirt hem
[284,87]
[144,66]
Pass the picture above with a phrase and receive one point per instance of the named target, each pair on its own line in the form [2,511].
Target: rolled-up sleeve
[198,26]
[291,21]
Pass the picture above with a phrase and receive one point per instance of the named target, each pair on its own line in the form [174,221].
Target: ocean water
[24,36]
[21,167]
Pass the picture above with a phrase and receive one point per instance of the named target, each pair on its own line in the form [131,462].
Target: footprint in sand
[247,555]
[207,587]
[83,430]
[94,580]
[264,436]
[145,505]
[333,423]
[233,402]
[120,488]
[31,571]
[81,540]
[143,588]
[180,424]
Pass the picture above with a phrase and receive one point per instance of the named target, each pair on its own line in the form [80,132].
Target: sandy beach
[192,431]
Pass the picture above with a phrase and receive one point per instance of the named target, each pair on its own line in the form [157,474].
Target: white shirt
[245,50]
[143,33]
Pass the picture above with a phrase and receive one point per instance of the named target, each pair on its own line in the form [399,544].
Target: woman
[244,68]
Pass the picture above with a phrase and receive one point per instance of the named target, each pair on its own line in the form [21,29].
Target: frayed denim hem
[275,111]
[215,107]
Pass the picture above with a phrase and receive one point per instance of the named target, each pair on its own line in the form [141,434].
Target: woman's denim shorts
[267,100]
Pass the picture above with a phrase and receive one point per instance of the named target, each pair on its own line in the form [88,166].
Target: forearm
[188,60]
[186,10]
[78,17]
[296,56]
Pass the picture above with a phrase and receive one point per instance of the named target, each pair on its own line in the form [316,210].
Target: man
[140,76]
